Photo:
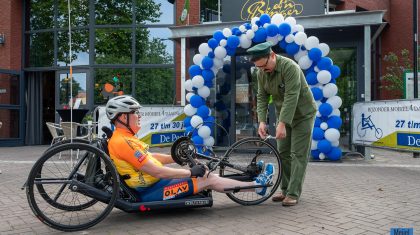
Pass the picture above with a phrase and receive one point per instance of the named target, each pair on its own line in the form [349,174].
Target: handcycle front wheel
[70,204]
[245,154]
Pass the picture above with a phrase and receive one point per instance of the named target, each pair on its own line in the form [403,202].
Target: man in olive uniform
[283,79]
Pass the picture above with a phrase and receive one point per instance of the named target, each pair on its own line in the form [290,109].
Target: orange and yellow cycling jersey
[130,154]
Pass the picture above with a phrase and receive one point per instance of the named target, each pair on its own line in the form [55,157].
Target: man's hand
[198,170]
[281,131]
[262,130]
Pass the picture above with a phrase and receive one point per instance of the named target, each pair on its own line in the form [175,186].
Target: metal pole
[415,52]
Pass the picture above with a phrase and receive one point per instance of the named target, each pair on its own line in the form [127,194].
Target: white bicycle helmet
[121,104]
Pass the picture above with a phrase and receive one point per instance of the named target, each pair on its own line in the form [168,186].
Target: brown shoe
[278,197]
[288,201]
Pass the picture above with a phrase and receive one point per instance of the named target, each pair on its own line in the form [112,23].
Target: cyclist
[147,172]
[366,123]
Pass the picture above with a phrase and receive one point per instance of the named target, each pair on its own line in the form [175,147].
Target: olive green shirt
[291,94]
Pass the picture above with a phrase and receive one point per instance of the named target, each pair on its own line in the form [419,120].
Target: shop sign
[391,124]
[245,10]
[3,91]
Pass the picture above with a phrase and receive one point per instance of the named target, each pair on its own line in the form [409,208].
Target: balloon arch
[311,56]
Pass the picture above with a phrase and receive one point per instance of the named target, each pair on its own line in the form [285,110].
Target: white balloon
[244,42]
[300,38]
[227,32]
[254,20]
[291,20]
[299,28]
[324,126]
[189,110]
[250,34]
[197,59]
[335,102]
[220,52]
[215,70]
[330,90]
[332,135]
[314,144]
[209,141]
[242,28]
[277,19]
[188,96]
[204,49]
[188,85]
[280,37]
[324,76]
[318,103]
[324,48]
[223,42]
[198,81]
[217,63]
[316,69]
[335,143]
[335,112]
[273,40]
[290,38]
[196,121]
[204,92]
[318,114]
[254,27]
[305,62]
[311,42]
[266,25]
[321,156]
[204,132]
[300,53]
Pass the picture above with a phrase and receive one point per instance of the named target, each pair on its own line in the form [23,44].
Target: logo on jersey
[139,155]
[172,191]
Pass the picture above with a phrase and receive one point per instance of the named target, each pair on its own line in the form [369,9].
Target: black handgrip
[107,131]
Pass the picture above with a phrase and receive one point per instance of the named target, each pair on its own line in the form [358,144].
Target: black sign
[245,10]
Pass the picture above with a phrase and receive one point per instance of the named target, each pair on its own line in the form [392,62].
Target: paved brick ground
[352,197]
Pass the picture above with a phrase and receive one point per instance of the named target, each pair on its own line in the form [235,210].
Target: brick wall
[11,26]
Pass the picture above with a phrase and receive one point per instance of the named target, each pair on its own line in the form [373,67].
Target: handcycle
[74,185]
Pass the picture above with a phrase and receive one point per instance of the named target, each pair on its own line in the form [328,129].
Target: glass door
[10,110]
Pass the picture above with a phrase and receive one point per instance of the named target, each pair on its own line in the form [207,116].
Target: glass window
[154,12]
[9,119]
[79,13]
[41,53]
[79,89]
[79,46]
[158,49]
[113,46]
[209,10]
[114,12]
[9,89]
[155,86]
[41,14]
[110,83]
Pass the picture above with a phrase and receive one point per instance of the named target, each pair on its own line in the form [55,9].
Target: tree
[393,78]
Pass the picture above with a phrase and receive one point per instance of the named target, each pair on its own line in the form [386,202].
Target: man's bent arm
[163,172]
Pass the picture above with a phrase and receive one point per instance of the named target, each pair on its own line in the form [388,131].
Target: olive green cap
[261,49]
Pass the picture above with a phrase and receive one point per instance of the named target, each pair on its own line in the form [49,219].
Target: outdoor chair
[56,132]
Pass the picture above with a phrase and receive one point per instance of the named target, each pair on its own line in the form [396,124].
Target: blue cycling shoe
[265,178]
[260,166]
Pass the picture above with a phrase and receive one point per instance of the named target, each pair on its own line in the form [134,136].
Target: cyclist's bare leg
[217,183]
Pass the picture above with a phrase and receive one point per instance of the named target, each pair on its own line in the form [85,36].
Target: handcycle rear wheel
[67,206]
[242,153]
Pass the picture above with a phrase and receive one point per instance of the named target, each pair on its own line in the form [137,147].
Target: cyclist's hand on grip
[198,170]
[262,130]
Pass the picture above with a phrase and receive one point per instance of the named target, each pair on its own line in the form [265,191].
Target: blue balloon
[333,81]
[230,51]
[209,121]
[203,111]
[265,19]
[284,29]
[311,78]
[233,41]
[208,84]
[310,69]
[317,133]
[219,106]
[325,109]
[260,35]
[211,55]
[335,71]
[207,74]
[317,93]
[324,146]
[207,62]
[334,154]
[236,31]
[323,100]
[248,26]
[189,129]
[196,101]
[315,154]
[315,54]
[218,35]
[212,43]
[272,30]
[194,70]
[334,122]
[324,63]
[283,44]
[226,68]
[187,121]
[197,140]
[317,122]
[292,48]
